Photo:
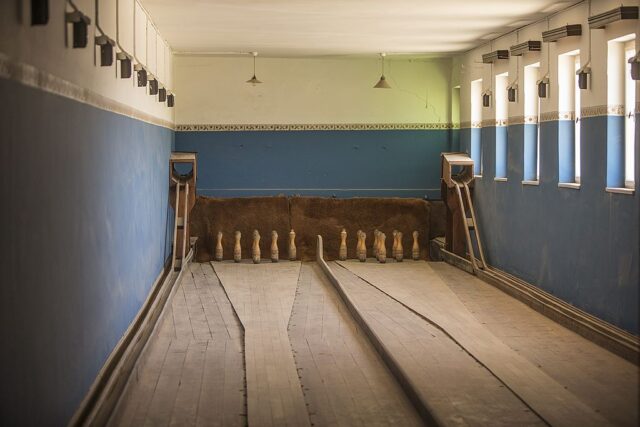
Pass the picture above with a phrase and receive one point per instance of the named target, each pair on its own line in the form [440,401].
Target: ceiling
[339,27]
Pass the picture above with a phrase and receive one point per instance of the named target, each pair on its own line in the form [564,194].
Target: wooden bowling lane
[263,295]
[421,290]
[452,387]
[191,370]
[344,380]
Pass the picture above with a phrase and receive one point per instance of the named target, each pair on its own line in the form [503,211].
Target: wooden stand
[182,196]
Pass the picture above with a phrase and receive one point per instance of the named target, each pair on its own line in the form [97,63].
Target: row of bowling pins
[255,247]
[379,246]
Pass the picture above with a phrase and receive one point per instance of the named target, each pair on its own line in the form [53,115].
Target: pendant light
[382,83]
[254,80]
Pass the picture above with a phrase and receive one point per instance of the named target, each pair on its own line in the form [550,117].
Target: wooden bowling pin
[399,250]
[292,246]
[361,248]
[342,252]
[394,247]
[255,248]
[219,253]
[275,254]
[382,249]
[237,249]
[415,251]
[376,242]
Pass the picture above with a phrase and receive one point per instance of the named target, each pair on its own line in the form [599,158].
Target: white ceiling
[339,27]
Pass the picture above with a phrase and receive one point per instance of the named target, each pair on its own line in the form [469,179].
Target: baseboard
[594,329]
[102,397]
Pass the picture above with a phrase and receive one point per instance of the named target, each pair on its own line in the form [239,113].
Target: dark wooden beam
[603,19]
[528,46]
[561,32]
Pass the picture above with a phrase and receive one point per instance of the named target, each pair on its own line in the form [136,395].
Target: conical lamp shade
[254,80]
[382,83]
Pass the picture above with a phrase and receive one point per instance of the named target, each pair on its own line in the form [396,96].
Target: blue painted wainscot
[353,163]
[84,225]
[581,245]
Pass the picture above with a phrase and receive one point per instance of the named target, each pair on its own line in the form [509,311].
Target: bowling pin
[361,249]
[399,250]
[255,248]
[342,252]
[292,246]
[275,254]
[415,251]
[375,242]
[394,247]
[382,249]
[219,253]
[237,250]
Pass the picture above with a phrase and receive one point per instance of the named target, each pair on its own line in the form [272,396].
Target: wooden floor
[529,353]
[191,371]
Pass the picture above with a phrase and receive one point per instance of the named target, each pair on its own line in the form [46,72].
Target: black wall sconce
[106,50]
[486,99]
[542,87]
[583,76]
[635,66]
[512,92]
[80,24]
[162,94]
[125,65]
[142,75]
[153,86]
[39,12]
[171,101]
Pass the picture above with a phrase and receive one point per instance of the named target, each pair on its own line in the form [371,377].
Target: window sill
[572,185]
[477,176]
[500,179]
[530,182]
[619,190]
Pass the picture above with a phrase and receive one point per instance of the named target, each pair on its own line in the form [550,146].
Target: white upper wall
[471,68]
[311,91]
[44,48]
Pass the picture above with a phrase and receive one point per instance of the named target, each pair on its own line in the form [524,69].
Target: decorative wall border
[312,127]
[31,76]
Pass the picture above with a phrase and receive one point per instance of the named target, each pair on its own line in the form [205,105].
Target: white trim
[571,185]
[525,182]
[477,176]
[500,179]
[619,190]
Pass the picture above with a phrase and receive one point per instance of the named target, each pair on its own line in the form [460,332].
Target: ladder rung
[470,223]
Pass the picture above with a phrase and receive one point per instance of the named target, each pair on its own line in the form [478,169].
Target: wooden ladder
[180,240]
[470,225]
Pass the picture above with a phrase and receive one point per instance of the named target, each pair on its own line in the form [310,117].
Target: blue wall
[387,163]
[580,245]
[84,222]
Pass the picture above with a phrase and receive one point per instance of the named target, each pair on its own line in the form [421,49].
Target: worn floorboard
[344,380]
[191,370]
[420,288]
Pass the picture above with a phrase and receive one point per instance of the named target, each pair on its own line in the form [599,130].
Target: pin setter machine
[462,228]
[182,196]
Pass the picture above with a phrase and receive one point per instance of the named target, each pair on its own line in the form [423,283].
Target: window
[621,91]
[502,81]
[569,120]
[476,130]
[531,123]
[630,117]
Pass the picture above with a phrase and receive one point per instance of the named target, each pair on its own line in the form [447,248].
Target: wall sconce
[583,76]
[486,98]
[512,92]
[162,94]
[125,65]
[142,75]
[153,86]
[542,87]
[635,66]
[106,50]
[39,12]
[80,23]
[171,101]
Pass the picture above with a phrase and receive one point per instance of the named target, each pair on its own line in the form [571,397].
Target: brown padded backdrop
[310,216]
